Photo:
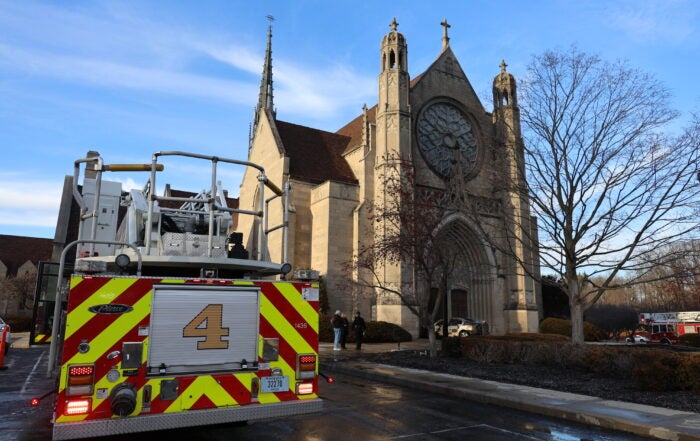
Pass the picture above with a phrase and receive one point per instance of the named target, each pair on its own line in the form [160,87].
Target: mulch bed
[547,377]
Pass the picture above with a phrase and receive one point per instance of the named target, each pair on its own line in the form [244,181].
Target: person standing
[344,329]
[337,323]
[358,325]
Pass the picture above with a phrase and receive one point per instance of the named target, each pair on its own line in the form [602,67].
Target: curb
[647,421]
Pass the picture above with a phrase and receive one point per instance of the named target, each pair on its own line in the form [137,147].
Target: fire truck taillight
[305,388]
[306,366]
[78,407]
[81,380]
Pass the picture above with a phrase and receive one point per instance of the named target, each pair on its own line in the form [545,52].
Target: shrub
[19,323]
[649,368]
[689,373]
[657,371]
[383,332]
[451,346]
[689,340]
[553,325]
[377,332]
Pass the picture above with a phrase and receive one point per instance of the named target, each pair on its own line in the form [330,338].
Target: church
[436,122]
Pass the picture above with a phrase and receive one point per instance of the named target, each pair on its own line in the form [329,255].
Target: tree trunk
[576,311]
[432,342]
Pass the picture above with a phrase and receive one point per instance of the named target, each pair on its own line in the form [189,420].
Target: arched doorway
[471,282]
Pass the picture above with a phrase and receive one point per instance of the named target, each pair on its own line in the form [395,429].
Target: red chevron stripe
[160,406]
[235,388]
[203,403]
[101,322]
[84,289]
[289,312]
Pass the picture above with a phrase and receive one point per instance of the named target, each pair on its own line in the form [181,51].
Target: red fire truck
[666,327]
[169,323]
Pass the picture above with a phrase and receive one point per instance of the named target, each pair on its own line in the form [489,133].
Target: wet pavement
[653,422]
[20,382]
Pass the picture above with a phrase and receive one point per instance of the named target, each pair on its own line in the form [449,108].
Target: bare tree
[606,186]
[20,290]
[410,221]
[673,283]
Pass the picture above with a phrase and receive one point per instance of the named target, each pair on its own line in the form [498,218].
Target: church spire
[265,97]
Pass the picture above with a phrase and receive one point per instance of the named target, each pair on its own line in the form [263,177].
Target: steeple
[265,97]
[394,50]
[504,89]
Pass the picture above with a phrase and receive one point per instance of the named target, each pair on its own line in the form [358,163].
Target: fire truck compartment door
[203,328]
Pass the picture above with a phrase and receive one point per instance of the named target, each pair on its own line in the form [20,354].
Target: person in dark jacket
[358,325]
[344,330]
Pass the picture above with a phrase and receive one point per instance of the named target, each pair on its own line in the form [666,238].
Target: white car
[638,338]
[462,327]
[4,325]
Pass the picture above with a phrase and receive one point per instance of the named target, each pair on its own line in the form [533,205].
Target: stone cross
[445,38]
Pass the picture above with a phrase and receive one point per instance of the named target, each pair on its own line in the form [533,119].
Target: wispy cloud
[110,74]
[28,203]
[670,21]
[108,48]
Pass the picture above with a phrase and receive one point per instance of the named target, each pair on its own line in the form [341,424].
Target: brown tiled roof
[315,155]
[17,250]
[353,129]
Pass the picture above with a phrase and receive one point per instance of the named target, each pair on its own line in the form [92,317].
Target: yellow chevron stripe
[304,308]
[206,385]
[283,327]
[243,282]
[80,315]
[108,337]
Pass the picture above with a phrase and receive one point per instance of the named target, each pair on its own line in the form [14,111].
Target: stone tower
[393,152]
[521,304]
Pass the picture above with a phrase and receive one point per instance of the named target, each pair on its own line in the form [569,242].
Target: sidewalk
[19,340]
[654,422]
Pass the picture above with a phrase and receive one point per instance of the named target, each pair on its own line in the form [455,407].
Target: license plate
[275,384]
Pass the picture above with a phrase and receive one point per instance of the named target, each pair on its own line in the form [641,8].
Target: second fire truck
[666,327]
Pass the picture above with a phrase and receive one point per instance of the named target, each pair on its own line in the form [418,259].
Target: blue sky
[131,78]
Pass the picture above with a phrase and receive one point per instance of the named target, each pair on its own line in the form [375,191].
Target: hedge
[377,331]
[553,325]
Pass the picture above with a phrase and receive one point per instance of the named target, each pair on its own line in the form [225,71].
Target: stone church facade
[335,180]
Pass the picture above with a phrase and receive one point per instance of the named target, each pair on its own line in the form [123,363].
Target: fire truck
[168,321]
[666,327]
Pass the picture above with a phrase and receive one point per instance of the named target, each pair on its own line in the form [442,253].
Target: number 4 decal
[208,324]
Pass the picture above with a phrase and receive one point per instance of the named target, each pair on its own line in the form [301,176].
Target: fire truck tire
[665,341]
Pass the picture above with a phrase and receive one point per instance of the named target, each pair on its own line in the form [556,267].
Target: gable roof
[315,155]
[15,251]
[354,129]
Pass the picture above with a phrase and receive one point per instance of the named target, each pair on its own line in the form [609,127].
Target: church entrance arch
[471,283]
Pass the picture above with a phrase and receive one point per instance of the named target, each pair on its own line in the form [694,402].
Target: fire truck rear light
[78,407]
[305,388]
[80,370]
[306,359]
[306,366]
[80,380]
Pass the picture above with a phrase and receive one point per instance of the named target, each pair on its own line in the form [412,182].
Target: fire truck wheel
[665,341]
